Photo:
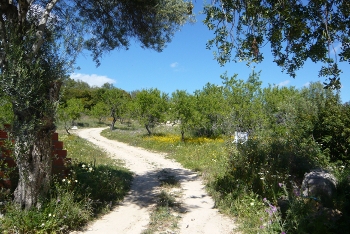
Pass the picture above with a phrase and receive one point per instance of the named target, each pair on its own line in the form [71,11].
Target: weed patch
[165,216]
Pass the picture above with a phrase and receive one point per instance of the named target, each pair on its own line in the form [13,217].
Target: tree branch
[3,43]
[23,7]
[42,25]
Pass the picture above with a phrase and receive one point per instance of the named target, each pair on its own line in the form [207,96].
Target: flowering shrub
[272,222]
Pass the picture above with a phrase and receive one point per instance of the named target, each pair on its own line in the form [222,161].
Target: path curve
[132,215]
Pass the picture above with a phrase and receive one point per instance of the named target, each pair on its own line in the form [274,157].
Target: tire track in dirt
[132,215]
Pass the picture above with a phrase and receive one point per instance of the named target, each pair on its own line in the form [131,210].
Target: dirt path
[132,215]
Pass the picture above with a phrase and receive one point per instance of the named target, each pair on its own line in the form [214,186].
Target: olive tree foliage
[117,102]
[244,103]
[70,112]
[99,111]
[40,40]
[6,114]
[183,111]
[296,30]
[212,108]
[150,107]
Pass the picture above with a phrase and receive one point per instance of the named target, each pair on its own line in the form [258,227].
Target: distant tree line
[311,114]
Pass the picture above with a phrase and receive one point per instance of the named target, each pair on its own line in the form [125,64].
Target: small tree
[244,104]
[212,107]
[116,101]
[99,111]
[150,106]
[70,113]
[183,111]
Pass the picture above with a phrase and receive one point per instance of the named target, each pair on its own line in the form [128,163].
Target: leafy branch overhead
[296,30]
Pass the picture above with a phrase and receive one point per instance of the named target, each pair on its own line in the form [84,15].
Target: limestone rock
[320,184]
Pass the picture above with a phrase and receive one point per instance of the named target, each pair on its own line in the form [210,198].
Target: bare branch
[42,25]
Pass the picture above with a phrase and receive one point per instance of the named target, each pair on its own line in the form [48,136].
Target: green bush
[261,163]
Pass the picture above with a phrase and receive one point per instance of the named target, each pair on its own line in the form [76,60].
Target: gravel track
[132,215]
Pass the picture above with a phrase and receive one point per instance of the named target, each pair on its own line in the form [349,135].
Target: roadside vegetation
[263,197]
[94,185]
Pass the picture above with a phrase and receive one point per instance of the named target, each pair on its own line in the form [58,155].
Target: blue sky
[186,64]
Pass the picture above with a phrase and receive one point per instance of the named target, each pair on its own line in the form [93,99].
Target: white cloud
[93,79]
[284,83]
[307,84]
[173,65]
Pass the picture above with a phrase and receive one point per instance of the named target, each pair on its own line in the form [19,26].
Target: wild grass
[165,215]
[103,178]
[95,184]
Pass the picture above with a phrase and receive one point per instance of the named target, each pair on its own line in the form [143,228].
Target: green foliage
[244,110]
[295,30]
[183,111]
[152,23]
[70,113]
[332,130]
[211,106]
[150,106]
[99,111]
[60,214]
[6,114]
[117,101]
[79,90]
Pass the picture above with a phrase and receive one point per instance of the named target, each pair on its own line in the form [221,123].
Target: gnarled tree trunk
[32,132]
[33,152]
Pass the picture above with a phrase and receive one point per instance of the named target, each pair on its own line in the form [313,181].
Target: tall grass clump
[94,185]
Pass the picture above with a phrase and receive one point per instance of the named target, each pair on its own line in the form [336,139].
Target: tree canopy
[296,30]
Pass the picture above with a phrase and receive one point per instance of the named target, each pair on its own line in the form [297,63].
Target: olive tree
[116,101]
[296,30]
[183,111]
[211,106]
[70,112]
[40,40]
[150,106]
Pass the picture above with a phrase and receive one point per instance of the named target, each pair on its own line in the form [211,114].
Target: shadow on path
[145,187]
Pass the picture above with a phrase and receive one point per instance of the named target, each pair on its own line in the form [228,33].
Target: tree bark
[32,132]
[148,129]
[33,153]
[113,123]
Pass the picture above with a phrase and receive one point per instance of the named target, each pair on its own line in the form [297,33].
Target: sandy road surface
[132,215]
